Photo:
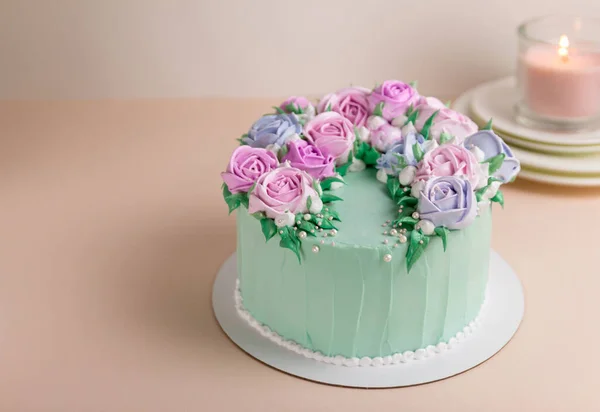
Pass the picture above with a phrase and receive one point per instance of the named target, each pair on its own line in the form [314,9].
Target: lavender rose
[396,97]
[350,102]
[273,130]
[285,189]
[309,158]
[449,160]
[447,120]
[333,134]
[246,165]
[492,145]
[448,201]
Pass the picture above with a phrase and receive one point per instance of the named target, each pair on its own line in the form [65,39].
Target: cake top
[438,168]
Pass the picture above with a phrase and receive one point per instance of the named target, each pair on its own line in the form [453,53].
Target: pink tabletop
[113,228]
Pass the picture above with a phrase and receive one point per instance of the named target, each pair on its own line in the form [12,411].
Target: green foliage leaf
[427,125]
[328,108]
[442,232]
[393,185]
[327,224]
[409,110]
[408,201]
[378,111]
[444,137]
[498,198]
[448,103]
[330,212]
[326,183]
[308,202]
[415,247]
[407,220]
[414,84]
[495,162]
[343,169]
[418,152]
[290,241]
[294,108]
[479,193]
[278,110]
[307,226]
[326,198]
[401,161]
[493,179]
[282,152]
[412,117]
[269,228]
[367,154]
[488,125]
[234,200]
[258,215]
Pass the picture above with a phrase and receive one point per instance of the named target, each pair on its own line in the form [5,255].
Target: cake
[364,224]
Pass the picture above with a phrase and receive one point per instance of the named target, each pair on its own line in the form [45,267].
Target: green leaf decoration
[448,103]
[479,193]
[444,137]
[409,110]
[418,152]
[493,179]
[269,228]
[308,202]
[488,125]
[401,161]
[279,110]
[326,183]
[427,125]
[367,154]
[412,117]
[330,212]
[327,224]
[234,200]
[442,232]
[328,108]
[258,215]
[495,162]
[343,169]
[241,139]
[408,201]
[326,198]
[307,227]
[290,241]
[293,108]
[418,243]
[414,84]
[282,152]
[498,198]
[393,185]
[378,111]
[409,220]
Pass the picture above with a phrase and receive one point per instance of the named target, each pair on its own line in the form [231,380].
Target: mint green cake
[364,224]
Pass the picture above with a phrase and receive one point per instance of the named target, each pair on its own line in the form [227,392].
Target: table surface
[114,228]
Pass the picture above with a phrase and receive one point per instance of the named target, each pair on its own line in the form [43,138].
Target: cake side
[345,300]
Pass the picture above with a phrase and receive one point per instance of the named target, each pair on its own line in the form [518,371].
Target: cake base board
[502,314]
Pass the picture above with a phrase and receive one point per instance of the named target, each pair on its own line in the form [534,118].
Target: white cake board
[504,309]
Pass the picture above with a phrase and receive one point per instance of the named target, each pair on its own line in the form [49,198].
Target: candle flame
[563,49]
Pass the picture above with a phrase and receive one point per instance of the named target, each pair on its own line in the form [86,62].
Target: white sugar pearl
[315,249]
[302,234]
[387,258]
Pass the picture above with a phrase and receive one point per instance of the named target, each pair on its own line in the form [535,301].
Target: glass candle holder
[558,73]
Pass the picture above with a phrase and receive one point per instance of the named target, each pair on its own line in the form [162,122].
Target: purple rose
[333,134]
[350,102]
[446,120]
[448,201]
[309,158]
[246,165]
[396,97]
[390,161]
[285,189]
[273,130]
[492,145]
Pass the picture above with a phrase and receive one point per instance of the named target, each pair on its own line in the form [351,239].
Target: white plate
[582,165]
[496,99]
[502,315]
[559,180]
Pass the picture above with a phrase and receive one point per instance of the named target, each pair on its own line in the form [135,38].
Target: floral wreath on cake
[438,167]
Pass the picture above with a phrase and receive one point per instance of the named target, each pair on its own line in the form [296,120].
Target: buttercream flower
[245,166]
[285,189]
[446,120]
[401,154]
[333,134]
[300,106]
[449,160]
[432,102]
[384,137]
[396,97]
[273,130]
[350,102]
[492,145]
[448,201]
[305,156]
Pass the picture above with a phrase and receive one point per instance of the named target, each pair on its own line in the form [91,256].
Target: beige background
[173,48]
[113,229]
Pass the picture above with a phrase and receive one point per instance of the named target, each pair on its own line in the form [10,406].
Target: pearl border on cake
[395,359]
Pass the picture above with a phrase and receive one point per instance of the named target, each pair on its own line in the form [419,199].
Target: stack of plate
[565,158]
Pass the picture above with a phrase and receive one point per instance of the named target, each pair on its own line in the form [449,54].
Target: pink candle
[559,82]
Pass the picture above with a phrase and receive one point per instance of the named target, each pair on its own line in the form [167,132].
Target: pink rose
[447,120]
[449,160]
[384,137]
[396,97]
[299,102]
[309,158]
[350,102]
[246,165]
[281,190]
[333,134]
[433,102]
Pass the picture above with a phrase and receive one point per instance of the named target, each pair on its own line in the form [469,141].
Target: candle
[561,82]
